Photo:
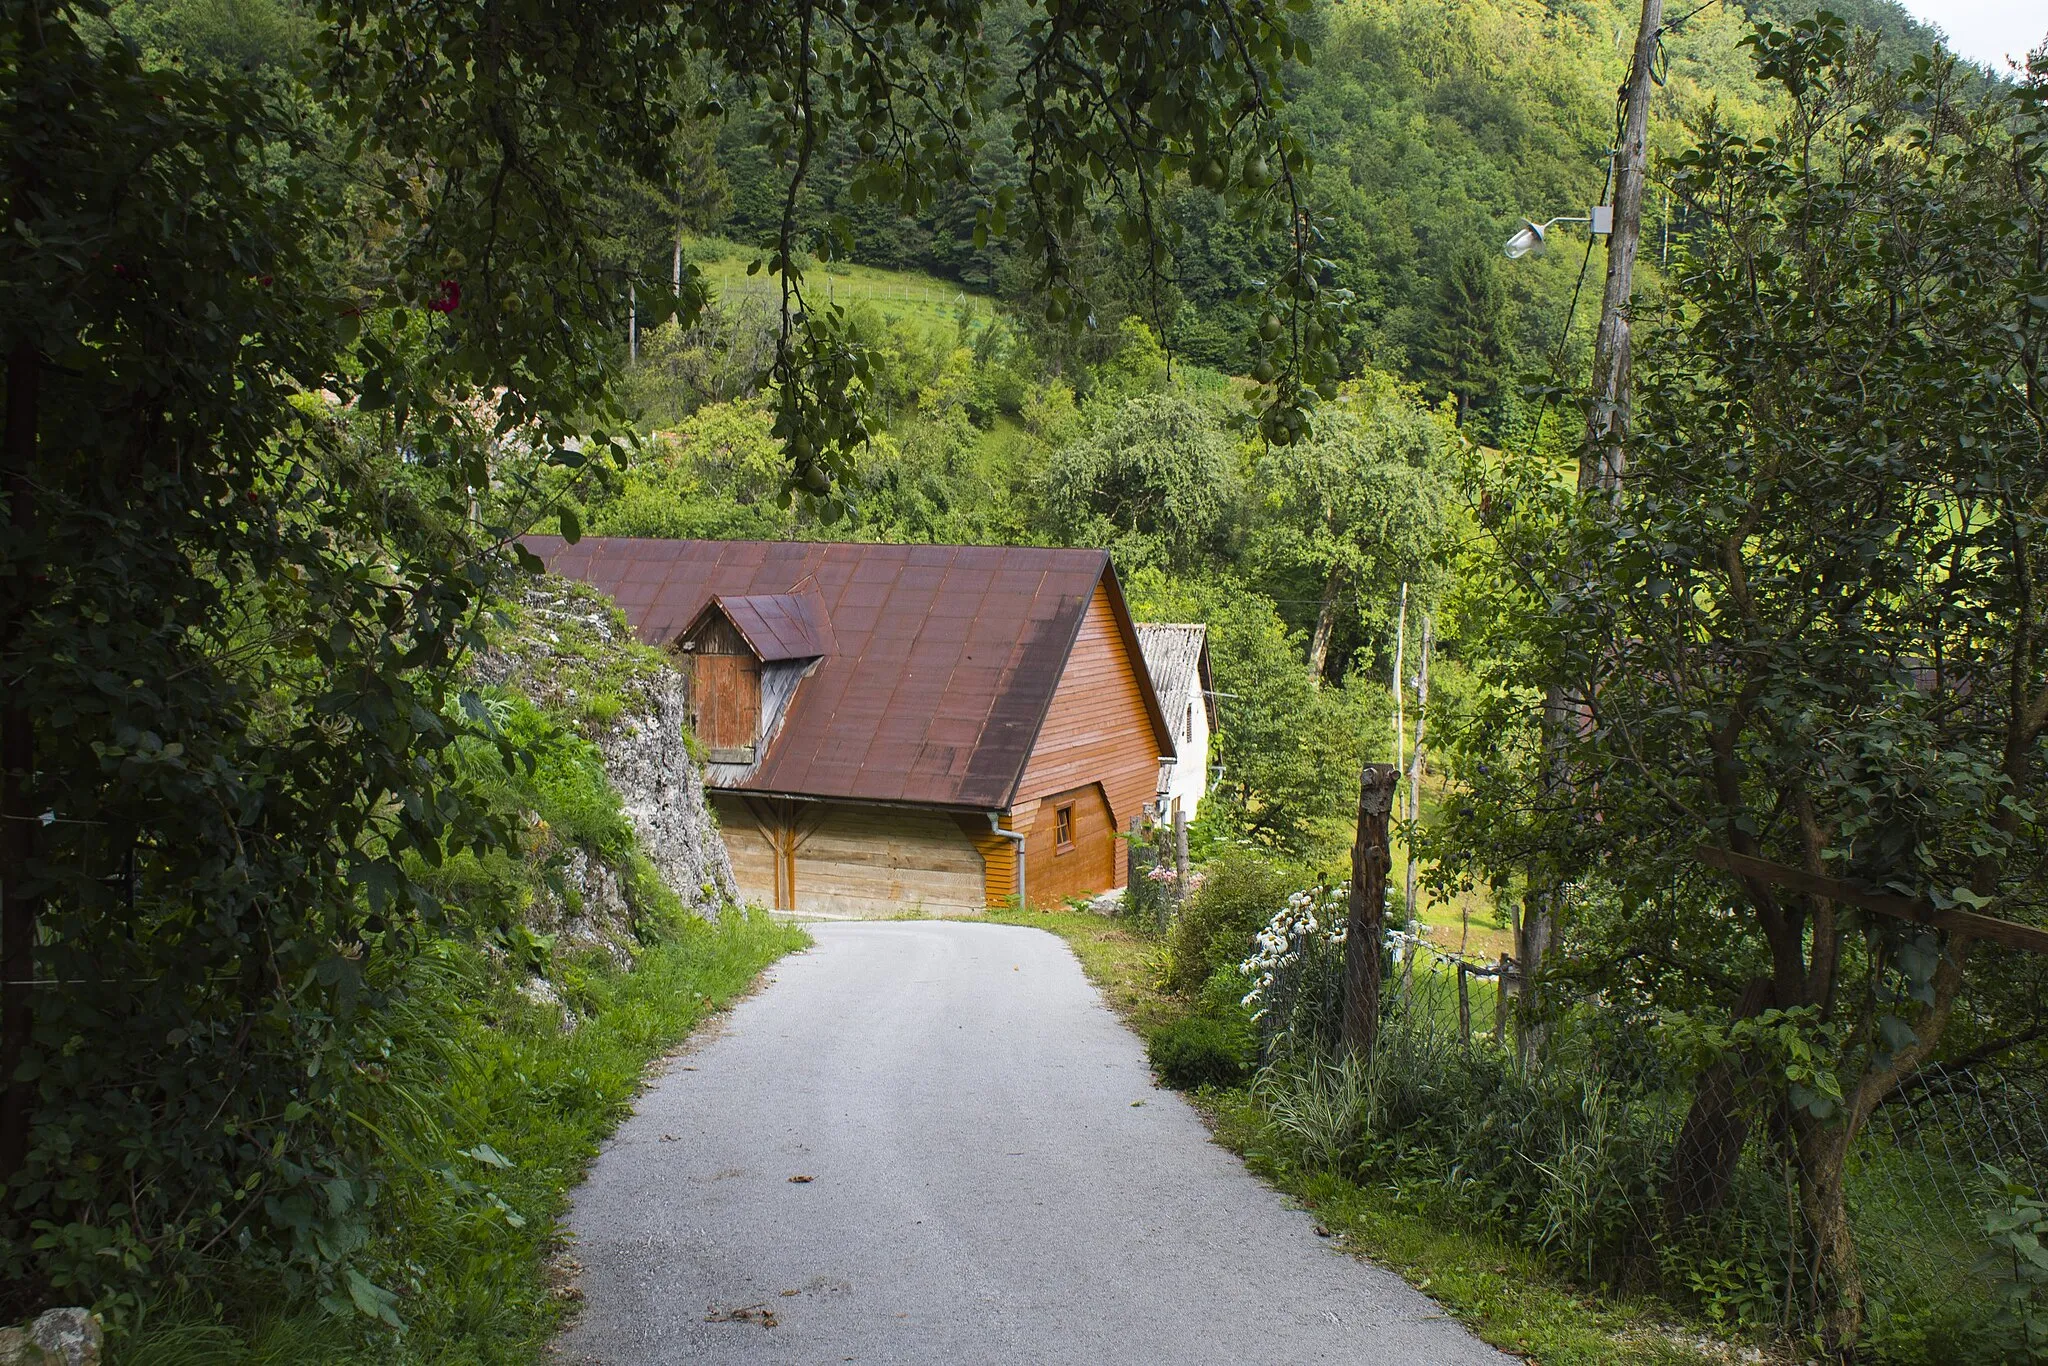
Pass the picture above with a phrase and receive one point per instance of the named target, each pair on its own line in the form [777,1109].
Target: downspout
[995,825]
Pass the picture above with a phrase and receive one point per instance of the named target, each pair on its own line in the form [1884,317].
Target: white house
[1177,657]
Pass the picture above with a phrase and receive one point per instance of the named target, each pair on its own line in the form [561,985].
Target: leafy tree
[1287,754]
[1154,484]
[1808,630]
[1358,510]
[287,368]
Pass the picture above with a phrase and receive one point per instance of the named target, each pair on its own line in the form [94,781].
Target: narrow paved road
[983,1187]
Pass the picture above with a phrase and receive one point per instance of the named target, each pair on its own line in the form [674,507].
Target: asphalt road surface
[993,1177]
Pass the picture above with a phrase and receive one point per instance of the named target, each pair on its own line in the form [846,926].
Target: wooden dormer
[725,688]
[736,641]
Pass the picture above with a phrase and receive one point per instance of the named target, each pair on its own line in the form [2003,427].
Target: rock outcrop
[58,1337]
[570,650]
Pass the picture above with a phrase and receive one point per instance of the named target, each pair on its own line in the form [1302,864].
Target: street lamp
[1529,239]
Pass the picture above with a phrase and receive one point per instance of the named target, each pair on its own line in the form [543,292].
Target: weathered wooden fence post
[1180,856]
[1365,926]
[1464,1005]
[1133,892]
[1500,1002]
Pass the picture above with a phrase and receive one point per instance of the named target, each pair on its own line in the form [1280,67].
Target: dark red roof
[942,659]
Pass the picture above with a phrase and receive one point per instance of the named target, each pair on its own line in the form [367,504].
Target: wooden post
[1500,1002]
[1601,458]
[1132,869]
[1365,926]
[1600,467]
[1180,855]
[1464,1005]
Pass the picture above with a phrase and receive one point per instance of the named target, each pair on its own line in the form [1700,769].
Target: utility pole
[1601,458]
[1607,410]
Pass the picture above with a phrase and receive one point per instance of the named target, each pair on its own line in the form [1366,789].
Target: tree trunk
[17,776]
[1711,1140]
[1834,1288]
[632,324]
[1326,625]
[1365,925]
[675,274]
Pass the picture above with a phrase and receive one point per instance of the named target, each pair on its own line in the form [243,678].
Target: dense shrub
[1239,894]
[1201,1051]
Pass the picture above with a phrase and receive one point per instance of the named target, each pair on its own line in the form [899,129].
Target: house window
[1063,828]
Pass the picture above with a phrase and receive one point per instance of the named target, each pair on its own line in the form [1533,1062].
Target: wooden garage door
[1071,850]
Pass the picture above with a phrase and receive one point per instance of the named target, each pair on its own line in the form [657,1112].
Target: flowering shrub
[1297,968]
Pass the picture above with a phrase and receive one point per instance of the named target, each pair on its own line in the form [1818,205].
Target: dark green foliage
[1152,484]
[1240,891]
[1201,1050]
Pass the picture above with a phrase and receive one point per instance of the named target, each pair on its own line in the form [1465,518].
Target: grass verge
[1509,1296]
[487,1119]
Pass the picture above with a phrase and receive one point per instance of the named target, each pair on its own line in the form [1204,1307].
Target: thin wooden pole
[1464,1005]
[1400,649]
[1415,772]
[1180,855]
[1500,1001]
[1365,926]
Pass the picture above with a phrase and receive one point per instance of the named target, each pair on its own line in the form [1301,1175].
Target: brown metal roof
[779,625]
[941,659]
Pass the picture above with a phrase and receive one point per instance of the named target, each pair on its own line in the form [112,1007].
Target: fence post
[1500,1002]
[1464,1006]
[1132,871]
[1365,925]
[1180,855]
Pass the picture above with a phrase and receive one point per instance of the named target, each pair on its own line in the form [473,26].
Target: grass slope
[502,1111]
[894,293]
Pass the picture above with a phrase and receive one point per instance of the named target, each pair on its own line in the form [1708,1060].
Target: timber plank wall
[1098,734]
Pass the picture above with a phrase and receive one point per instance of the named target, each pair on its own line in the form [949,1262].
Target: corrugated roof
[942,659]
[1177,656]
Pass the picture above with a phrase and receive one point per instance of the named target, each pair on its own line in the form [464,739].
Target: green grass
[1509,1296]
[487,1119]
[895,293]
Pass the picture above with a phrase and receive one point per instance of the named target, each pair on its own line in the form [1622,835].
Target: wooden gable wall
[1098,751]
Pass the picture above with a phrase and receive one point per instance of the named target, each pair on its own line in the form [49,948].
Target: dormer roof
[776,626]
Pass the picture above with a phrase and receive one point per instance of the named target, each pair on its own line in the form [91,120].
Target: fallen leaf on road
[1136,1103]
[801,1179]
[1322,1232]
[787,1293]
[753,1313]
[670,1138]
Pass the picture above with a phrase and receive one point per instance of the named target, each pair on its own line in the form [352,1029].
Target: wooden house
[1177,658]
[888,727]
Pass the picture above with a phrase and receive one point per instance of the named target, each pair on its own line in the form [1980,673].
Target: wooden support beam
[1965,924]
